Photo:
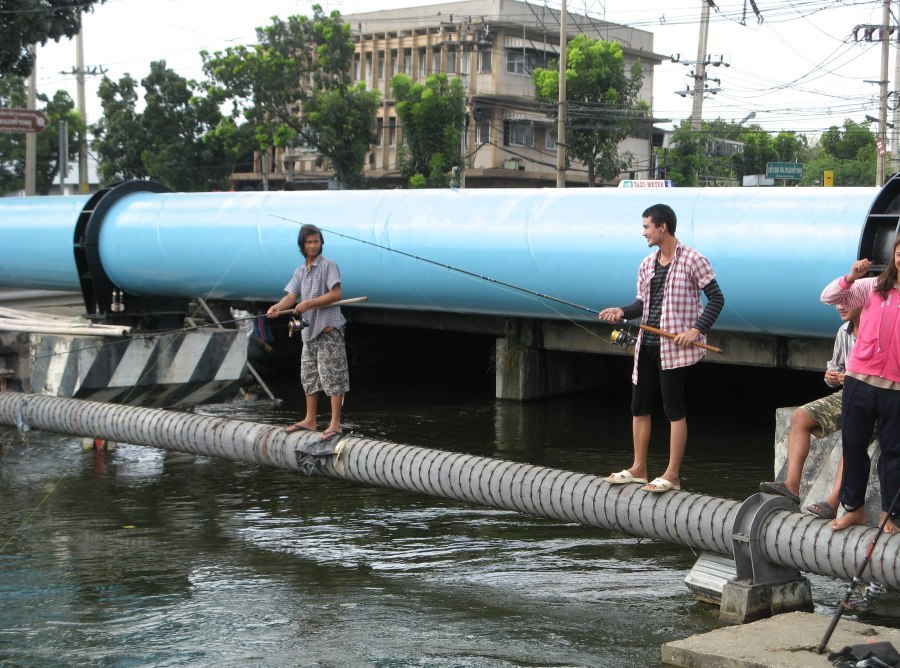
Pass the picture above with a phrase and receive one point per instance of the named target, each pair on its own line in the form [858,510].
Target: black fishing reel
[296,325]
[624,337]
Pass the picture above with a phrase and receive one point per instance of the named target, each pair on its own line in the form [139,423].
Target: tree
[432,116]
[12,144]
[119,138]
[602,106]
[307,63]
[688,161]
[27,22]
[722,152]
[849,152]
[183,153]
[60,108]
[170,141]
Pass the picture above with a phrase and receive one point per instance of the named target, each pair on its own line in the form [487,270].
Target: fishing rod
[294,325]
[623,337]
[618,337]
[873,589]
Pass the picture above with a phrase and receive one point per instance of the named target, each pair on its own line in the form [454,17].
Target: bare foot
[850,518]
[304,425]
[890,526]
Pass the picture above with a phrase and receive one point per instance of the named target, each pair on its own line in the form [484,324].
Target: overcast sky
[800,69]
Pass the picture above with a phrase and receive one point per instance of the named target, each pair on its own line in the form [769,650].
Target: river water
[139,557]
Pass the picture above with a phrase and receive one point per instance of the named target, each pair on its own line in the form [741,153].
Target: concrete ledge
[783,641]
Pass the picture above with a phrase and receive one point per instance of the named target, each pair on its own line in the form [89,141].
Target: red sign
[23,120]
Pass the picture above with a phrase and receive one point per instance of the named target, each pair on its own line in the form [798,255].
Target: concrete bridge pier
[526,369]
[761,588]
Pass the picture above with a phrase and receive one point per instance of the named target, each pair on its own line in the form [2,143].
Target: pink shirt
[877,350]
[689,273]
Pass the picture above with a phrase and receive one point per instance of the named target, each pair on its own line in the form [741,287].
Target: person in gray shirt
[312,292]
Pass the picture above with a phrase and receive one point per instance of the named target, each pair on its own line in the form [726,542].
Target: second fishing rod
[623,337]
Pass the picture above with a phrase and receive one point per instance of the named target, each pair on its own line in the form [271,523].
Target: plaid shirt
[689,273]
[321,276]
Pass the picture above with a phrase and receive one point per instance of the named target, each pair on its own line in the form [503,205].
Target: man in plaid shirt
[313,290]
[669,284]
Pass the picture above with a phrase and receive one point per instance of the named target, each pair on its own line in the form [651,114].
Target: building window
[368,71]
[380,65]
[392,131]
[549,141]
[464,62]
[436,58]
[395,63]
[423,62]
[484,132]
[484,60]
[356,66]
[451,62]
[407,62]
[518,134]
[379,131]
[523,62]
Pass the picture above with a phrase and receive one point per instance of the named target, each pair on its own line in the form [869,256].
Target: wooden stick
[669,335]
[350,300]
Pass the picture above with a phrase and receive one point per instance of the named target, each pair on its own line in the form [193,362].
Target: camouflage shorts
[323,364]
[827,412]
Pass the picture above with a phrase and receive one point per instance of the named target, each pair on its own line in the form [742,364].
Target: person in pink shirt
[871,387]
[670,281]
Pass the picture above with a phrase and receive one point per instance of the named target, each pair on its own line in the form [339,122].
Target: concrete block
[743,601]
[784,641]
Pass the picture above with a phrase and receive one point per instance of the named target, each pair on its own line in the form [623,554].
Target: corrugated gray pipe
[787,539]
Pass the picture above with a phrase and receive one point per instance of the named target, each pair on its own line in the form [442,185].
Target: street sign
[23,120]
[646,183]
[784,170]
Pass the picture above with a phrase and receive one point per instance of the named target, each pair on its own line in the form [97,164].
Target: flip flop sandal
[822,509]
[660,485]
[779,489]
[624,477]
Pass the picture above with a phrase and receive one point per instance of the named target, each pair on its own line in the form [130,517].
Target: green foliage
[432,116]
[602,106]
[704,158]
[848,151]
[300,64]
[119,137]
[12,144]
[170,141]
[342,121]
[27,22]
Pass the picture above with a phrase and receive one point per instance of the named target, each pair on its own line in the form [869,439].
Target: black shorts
[652,380]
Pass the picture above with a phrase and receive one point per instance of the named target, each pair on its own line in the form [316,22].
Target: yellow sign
[829,178]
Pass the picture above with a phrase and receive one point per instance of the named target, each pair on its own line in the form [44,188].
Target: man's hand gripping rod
[623,337]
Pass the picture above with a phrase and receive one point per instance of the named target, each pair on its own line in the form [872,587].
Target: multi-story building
[492,46]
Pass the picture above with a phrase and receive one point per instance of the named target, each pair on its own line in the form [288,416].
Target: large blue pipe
[774,249]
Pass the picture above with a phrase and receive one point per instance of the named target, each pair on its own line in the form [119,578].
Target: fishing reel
[867,595]
[295,325]
[624,337]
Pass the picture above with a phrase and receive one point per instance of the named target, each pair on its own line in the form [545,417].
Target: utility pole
[82,109]
[80,71]
[31,137]
[895,94]
[700,73]
[561,111]
[700,87]
[883,86]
